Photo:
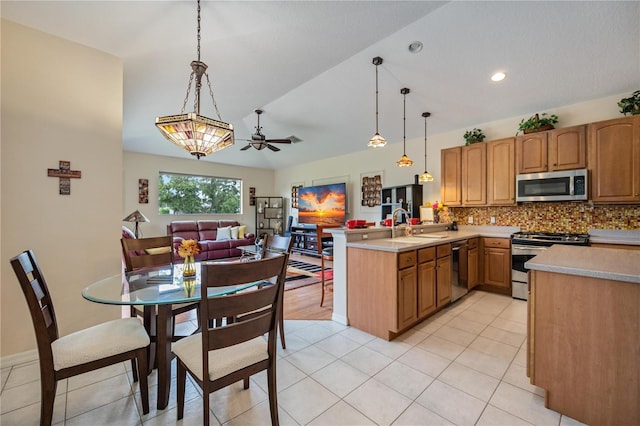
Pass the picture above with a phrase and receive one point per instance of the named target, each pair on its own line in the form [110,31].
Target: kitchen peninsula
[583,327]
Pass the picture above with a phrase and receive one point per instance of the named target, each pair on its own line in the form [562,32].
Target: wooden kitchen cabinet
[497,261]
[451,177]
[501,189]
[473,257]
[558,149]
[614,160]
[443,275]
[407,295]
[426,281]
[474,175]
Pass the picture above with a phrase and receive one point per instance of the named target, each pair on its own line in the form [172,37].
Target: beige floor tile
[494,348]
[521,356]
[259,415]
[367,360]
[357,335]
[311,359]
[455,335]
[306,400]
[517,376]
[470,381]
[442,347]
[340,378]
[25,395]
[341,414]
[412,337]
[230,402]
[568,421]
[424,361]
[120,412]
[286,375]
[466,325]
[476,316]
[98,394]
[454,405]
[513,326]
[416,414]
[191,392]
[338,345]
[428,326]
[5,376]
[30,414]
[493,416]
[516,311]
[192,416]
[294,344]
[487,364]
[378,402]
[392,349]
[504,336]
[96,376]
[314,333]
[523,404]
[404,379]
[22,374]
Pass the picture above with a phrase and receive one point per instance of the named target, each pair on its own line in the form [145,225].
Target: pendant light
[377,141]
[425,177]
[404,161]
[197,134]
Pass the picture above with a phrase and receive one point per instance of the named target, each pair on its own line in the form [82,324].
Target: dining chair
[220,356]
[149,252]
[325,250]
[281,244]
[86,350]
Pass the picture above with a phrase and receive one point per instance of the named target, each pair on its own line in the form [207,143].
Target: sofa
[217,239]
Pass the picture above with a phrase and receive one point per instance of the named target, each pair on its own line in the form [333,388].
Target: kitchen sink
[430,236]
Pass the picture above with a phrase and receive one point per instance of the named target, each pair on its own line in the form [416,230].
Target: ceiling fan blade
[278,141]
[273,148]
[244,148]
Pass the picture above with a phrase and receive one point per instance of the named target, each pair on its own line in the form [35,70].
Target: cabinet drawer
[311,238]
[497,242]
[406,259]
[472,243]
[443,250]
[426,254]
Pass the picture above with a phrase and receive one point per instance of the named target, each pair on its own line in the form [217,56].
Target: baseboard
[340,319]
[19,358]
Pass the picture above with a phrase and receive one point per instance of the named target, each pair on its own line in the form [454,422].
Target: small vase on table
[189,269]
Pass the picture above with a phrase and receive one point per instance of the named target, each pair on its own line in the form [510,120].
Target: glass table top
[154,286]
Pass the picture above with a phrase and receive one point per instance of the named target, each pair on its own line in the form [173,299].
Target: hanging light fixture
[425,177]
[404,161]
[197,134]
[377,141]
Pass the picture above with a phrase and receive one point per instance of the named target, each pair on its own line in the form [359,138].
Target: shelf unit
[409,197]
[305,240]
[269,215]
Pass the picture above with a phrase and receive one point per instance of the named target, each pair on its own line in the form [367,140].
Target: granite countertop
[615,236]
[427,239]
[606,263]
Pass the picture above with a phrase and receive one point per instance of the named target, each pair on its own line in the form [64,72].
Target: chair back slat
[139,253]
[36,293]
[266,300]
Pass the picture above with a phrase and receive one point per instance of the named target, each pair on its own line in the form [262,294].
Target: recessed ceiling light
[415,47]
[499,76]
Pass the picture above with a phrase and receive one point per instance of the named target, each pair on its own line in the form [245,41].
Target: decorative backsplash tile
[553,217]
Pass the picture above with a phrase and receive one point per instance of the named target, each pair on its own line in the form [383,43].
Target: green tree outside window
[191,194]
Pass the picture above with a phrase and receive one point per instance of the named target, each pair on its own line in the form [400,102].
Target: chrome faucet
[394,228]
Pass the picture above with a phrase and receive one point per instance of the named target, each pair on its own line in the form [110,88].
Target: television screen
[322,204]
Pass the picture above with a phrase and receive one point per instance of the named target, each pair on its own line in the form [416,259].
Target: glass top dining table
[157,289]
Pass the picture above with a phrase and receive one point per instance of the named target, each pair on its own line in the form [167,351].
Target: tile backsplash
[553,217]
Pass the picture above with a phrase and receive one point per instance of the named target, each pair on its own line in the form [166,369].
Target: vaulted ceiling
[308,64]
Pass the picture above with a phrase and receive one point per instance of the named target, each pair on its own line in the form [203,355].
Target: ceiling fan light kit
[197,134]
[404,161]
[259,141]
[426,176]
[377,141]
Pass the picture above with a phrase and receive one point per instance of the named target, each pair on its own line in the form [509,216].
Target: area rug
[301,274]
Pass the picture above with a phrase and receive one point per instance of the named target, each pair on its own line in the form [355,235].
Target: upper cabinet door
[531,153]
[474,175]
[501,189]
[451,186]
[568,148]
[614,160]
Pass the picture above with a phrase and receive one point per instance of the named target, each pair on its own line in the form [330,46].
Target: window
[191,194]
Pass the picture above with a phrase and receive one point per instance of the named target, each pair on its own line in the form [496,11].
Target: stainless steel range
[527,245]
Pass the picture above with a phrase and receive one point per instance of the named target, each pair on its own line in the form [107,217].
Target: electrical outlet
[493,219]
[365,236]
[470,220]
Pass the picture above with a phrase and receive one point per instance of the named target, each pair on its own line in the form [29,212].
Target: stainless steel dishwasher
[459,271]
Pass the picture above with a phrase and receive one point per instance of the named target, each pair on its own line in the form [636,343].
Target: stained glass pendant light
[404,161]
[377,141]
[197,134]
[425,177]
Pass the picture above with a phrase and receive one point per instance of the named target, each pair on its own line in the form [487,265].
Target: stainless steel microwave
[567,185]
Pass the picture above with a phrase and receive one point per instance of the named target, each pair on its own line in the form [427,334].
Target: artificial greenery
[473,136]
[630,105]
[536,122]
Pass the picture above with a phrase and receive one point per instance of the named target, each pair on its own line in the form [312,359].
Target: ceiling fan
[259,141]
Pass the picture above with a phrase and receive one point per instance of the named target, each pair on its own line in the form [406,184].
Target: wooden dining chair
[149,252]
[325,250]
[220,356]
[79,352]
[281,244]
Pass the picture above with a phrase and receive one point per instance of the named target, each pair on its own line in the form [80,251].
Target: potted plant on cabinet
[630,105]
[538,123]
[473,136]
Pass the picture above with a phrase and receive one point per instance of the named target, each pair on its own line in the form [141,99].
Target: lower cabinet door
[443,279]
[497,267]
[426,288]
[407,297]
[472,267]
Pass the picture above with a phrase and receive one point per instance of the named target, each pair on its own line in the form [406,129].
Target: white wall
[60,101]
[350,167]
[143,166]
